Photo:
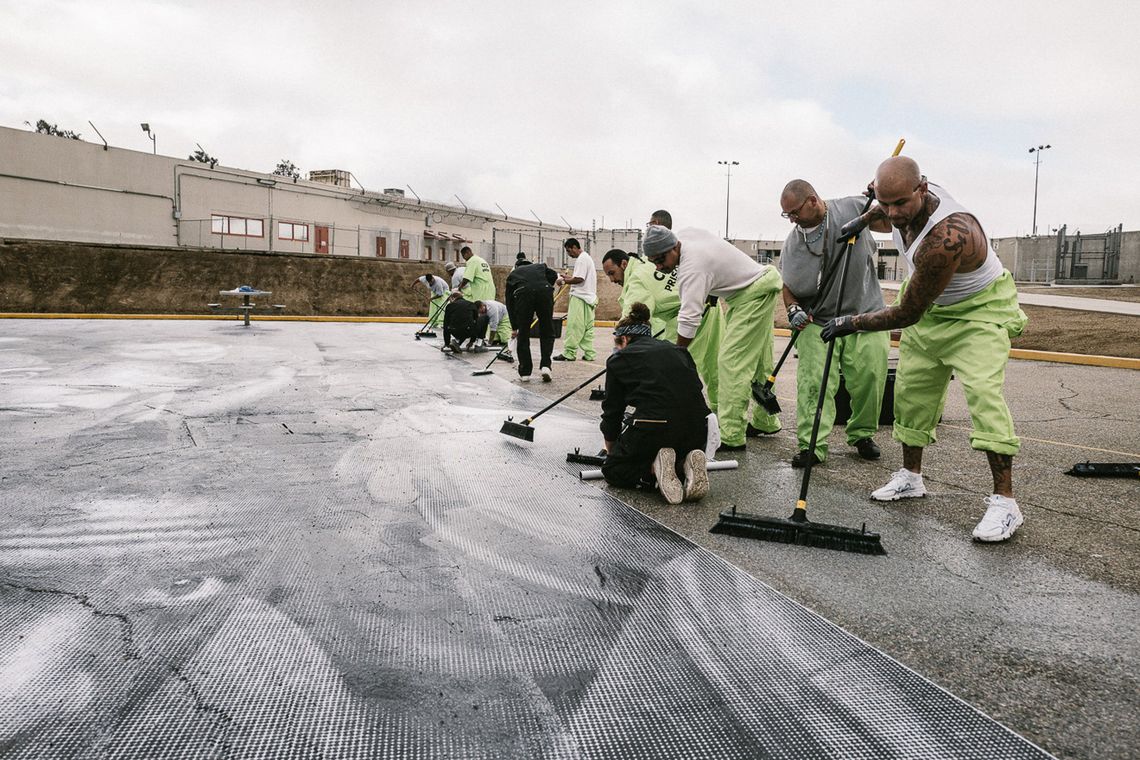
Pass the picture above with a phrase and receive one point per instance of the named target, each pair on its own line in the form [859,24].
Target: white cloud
[586,110]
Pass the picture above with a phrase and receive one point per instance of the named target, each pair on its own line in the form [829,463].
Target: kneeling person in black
[461,322]
[659,380]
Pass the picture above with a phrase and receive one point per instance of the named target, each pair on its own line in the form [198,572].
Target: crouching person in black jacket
[663,446]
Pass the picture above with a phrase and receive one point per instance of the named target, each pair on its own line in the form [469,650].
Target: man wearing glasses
[707,265]
[810,264]
[959,309]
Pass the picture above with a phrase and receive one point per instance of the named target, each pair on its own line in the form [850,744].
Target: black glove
[839,327]
[711,301]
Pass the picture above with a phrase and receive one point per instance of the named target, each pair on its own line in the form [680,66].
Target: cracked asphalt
[202,525]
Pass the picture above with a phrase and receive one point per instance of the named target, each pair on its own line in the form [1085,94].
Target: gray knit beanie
[658,240]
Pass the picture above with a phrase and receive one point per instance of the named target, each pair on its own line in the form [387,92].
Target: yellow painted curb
[1092,360]
[225,317]
[1089,360]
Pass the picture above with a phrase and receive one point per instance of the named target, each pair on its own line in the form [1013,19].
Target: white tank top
[961,285]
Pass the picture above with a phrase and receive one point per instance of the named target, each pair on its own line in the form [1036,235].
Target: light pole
[727,191]
[153,141]
[1036,173]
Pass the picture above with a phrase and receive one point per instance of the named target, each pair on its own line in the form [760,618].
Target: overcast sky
[602,112]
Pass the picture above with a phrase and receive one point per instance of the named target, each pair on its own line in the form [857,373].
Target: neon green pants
[502,333]
[435,311]
[746,356]
[862,357]
[579,330]
[971,340]
[705,350]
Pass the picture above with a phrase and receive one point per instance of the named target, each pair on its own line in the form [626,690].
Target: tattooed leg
[1001,465]
[912,458]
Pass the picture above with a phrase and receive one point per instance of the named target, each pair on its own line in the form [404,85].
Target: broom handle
[800,513]
[496,356]
[787,350]
[559,294]
[429,319]
[580,387]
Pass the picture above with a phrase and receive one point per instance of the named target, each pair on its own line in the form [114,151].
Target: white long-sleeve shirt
[709,266]
[457,277]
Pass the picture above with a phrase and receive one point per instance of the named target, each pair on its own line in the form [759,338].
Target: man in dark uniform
[461,322]
[659,380]
[530,294]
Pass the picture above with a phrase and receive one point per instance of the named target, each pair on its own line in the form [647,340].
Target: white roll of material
[727,464]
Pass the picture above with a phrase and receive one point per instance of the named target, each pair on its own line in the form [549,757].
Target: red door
[322,238]
[381,247]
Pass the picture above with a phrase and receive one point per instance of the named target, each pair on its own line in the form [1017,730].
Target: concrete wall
[1034,259]
[74,278]
[53,188]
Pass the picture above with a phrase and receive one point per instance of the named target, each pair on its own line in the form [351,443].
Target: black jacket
[658,379]
[461,320]
[531,278]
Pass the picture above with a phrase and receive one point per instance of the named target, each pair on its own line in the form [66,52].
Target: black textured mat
[312,541]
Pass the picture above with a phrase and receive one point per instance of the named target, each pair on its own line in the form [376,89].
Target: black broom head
[519,430]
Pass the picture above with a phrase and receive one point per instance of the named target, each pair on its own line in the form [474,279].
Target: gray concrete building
[53,188]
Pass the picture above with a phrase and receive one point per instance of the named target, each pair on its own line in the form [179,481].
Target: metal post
[1036,174]
[727,191]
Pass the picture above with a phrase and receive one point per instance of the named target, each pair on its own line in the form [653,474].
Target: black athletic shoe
[800,460]
[726,447]
[561,358]
[755,432]
[868,449]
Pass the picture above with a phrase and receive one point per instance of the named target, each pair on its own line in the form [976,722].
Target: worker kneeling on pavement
[498,324]
[663,445]
[462,322]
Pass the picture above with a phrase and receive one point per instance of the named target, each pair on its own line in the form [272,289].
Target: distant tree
[286,168]
[45,128]
[203,157]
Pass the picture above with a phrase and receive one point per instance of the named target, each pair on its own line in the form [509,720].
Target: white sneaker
[1002,518]
[696,476]
[665,468]
[545,374]
[904,484]
[524,378]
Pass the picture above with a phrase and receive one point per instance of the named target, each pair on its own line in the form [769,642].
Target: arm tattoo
[952,241]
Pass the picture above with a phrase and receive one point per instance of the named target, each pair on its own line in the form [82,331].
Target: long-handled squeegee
[523,430]
[423,332]
[487,370]
[797,529]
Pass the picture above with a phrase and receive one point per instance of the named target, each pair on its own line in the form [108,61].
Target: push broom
[762,392]
[524,431]
[423,332]
[487,370]
[798,529]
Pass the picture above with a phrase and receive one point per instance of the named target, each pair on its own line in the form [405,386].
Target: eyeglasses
[795,214]
[657,259]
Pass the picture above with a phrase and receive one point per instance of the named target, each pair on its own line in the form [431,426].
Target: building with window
[52,188]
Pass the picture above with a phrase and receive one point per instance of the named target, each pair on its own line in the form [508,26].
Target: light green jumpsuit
[860,358]
[480,283]
[746,356]
[969,338]
[658,290]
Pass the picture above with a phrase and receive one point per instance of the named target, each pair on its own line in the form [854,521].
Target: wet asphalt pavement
[311,540]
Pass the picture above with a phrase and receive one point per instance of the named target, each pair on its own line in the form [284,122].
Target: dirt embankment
[49,277]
